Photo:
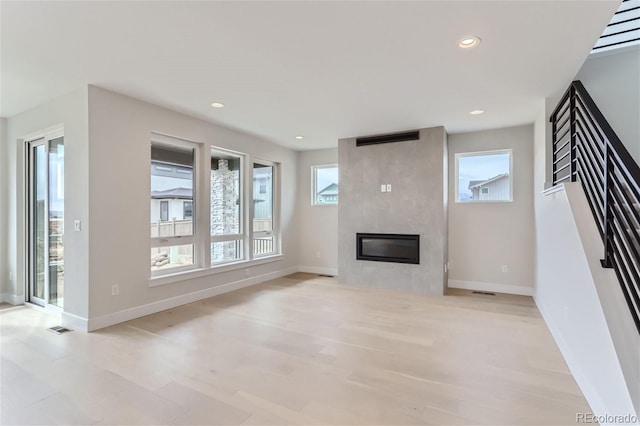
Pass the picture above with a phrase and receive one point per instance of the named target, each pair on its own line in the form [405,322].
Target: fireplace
[397,248]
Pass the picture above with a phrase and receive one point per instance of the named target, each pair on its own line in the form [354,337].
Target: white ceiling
[321,69]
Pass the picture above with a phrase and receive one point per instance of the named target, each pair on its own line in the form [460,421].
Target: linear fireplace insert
[398,248]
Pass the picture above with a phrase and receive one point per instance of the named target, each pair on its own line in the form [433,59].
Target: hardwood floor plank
[296,350]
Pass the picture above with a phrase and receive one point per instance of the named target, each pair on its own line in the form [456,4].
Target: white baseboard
[322,270]
[12,299]
[74,322]
[162,305]
[492,287]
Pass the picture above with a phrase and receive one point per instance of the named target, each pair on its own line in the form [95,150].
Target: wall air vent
[394,137]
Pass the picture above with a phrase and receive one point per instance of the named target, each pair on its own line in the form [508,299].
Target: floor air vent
[394,137]
[486,293]
[58,329]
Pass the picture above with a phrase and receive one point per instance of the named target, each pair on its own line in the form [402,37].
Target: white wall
[119,158]
[580,301]
[71,111]
[613,81]
[568,277]
[4,275]
[318,225]
[107,145]
[485,236]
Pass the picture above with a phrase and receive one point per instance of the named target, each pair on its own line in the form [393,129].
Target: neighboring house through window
[176,244]
[173,236]
[264,241]
[484,176]
[325,184]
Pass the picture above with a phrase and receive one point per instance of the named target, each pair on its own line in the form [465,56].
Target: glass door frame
[31,144]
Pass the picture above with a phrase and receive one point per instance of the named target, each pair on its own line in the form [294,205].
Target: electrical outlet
[505,269]
[115,290]
[389,187]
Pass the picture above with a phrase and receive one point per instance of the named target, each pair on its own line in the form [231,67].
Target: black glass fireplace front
[398,248]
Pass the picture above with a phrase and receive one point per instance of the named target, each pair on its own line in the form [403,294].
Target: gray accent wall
[416,171]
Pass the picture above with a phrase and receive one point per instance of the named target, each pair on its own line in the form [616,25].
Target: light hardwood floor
[296,350]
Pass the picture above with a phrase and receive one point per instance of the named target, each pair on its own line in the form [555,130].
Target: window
[187,210]
[484,176]
[226,207]
[325,184]
[238,205]
[164,211]
[172,186]
[263,213]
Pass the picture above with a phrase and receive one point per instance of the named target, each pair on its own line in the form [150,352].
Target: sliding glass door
[45,177]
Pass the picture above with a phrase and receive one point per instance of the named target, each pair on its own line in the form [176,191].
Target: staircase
[586,149]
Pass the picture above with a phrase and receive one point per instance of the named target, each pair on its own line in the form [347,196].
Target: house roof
[275,63]
[479,183]
[173,193]
[330,190]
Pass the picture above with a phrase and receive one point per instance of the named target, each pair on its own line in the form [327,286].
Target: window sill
[203,272]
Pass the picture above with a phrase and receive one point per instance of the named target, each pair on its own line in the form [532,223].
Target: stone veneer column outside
[224,210]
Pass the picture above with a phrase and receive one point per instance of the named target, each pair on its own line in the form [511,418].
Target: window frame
[194,239]
[164,210]
[456,178]
[314,184]
[202,240]
[242,235]
[275,211]
[185,210]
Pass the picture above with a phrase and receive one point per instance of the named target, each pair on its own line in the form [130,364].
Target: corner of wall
[4,276]
[69,111]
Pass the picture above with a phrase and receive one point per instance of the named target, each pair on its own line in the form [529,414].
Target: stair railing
[586,148]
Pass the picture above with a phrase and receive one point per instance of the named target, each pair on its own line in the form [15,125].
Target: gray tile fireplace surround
[417,204]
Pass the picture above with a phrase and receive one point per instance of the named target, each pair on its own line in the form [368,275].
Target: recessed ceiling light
[469,42]
[217,105]
[477,112]
[299,137]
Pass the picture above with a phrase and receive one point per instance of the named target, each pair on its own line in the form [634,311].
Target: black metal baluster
[572,124]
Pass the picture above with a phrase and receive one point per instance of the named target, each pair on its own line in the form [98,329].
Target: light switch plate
[383,188]
[77,225]
[388,187]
